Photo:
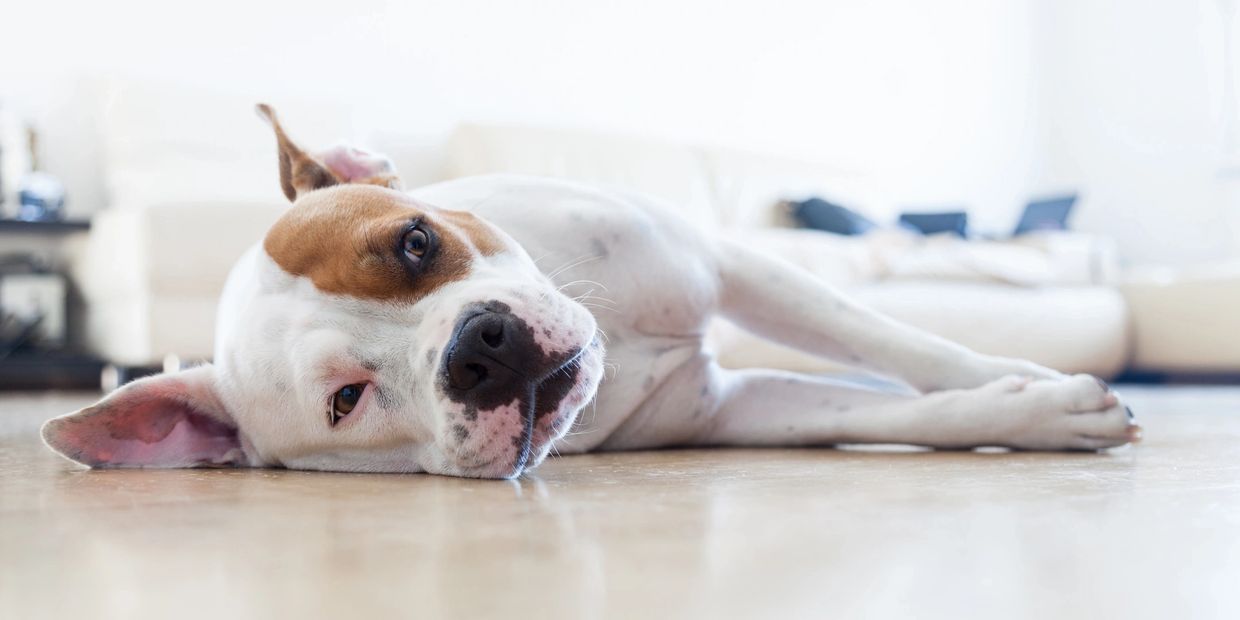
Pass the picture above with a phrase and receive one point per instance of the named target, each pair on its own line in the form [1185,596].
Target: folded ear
[169,420]
[302,172]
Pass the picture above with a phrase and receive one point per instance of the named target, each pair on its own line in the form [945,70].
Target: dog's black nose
[490,360]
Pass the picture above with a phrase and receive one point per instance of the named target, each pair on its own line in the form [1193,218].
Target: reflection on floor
[1147,532]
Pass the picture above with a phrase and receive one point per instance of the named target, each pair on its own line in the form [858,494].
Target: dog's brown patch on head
[346,240]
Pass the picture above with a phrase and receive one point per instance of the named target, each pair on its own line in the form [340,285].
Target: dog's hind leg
[785,304]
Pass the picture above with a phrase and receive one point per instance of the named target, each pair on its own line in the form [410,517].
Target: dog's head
[369,332]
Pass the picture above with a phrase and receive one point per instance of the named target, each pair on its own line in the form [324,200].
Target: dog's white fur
[589,270]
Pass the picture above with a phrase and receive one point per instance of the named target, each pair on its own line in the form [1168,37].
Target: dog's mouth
[546,396]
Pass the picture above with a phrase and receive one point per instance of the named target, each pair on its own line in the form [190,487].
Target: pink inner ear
[147,427]
[352,164]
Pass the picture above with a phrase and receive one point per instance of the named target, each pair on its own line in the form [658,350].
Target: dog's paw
[1075,413]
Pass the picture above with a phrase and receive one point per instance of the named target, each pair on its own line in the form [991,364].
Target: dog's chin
[571,392]
[548,414]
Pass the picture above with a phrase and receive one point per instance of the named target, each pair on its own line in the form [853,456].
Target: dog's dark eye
[344,401]
[415,244]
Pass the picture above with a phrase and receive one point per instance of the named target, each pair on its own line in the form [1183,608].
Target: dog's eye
[415,243]
[344,401]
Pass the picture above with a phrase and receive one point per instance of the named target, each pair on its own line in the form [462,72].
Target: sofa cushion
[676,174]
[180,249]
[1187,320]
[1061,259]
[142,330]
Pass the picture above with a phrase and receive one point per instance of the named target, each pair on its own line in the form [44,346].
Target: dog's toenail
[1129,411]
[1103,384]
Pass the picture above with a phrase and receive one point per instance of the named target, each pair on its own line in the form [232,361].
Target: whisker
[582,281]
[540,258]
[568,265]
[576,263]
[590,295]
[606,338]
[594,299]
[597,307]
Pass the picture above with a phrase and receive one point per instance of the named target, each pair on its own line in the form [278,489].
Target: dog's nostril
[466,376]
[479,371]
[484,354]
[493,334]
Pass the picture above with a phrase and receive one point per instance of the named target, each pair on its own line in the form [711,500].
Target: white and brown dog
[457,330]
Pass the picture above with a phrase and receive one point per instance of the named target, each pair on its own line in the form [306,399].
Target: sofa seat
[1186,321]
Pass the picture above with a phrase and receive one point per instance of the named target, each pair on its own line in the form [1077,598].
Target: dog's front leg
[772,408]
[790,306]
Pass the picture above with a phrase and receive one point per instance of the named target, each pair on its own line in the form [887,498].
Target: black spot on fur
[599,248]
[384,398]
[460,432]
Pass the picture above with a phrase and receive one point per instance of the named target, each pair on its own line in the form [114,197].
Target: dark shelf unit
[22,227]
[50,370]
[36,369]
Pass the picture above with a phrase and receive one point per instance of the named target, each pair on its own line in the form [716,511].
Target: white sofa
[1185,321]
[157,258]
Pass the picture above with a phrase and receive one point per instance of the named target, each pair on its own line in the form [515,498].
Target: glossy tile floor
[1147,532]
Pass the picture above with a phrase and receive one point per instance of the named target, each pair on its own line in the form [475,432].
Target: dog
[472,327]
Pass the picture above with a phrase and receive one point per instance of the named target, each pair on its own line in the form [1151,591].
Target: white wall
[934,100]
[1131,94]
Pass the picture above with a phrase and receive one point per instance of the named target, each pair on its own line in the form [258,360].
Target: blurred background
[1053,179]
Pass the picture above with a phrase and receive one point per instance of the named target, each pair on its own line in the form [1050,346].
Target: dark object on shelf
[33,304]
[22,227]
[16,331]
[955,222]
[819,214]
[42,198]
[1047,214]
[22,263]
[26,369]
[1177,378]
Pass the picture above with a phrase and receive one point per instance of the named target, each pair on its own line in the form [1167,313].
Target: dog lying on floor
[463,329]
